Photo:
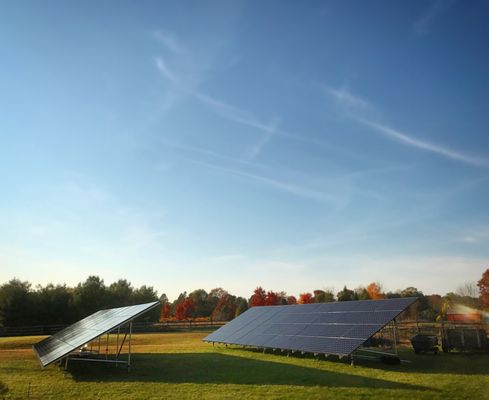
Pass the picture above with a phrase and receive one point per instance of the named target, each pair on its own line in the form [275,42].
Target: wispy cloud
[408,140]
[358,108]
[292,188]
[423,24]
[181,68]
[243,117]
[346,98]
[165,70]
[233,113]
[207,153]
[170,41]
[477,235]
[270,130]
[186,72]
[261,143]
[186,82]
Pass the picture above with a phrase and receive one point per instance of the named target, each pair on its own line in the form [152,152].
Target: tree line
[23,305]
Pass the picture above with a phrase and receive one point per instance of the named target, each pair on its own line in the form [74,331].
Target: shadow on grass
[202,368]
[443,363]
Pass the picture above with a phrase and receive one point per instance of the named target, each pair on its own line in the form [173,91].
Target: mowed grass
[180,366]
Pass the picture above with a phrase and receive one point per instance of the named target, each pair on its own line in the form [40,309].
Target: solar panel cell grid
[283,329]
[73,337]
[330,328]
[298,318]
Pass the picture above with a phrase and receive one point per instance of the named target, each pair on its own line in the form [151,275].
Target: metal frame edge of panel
[254,320]
[123,319]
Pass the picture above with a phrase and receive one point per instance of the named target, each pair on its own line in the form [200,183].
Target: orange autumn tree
[305,298]
[375,291]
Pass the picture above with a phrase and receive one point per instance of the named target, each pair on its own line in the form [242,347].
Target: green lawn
[180,365]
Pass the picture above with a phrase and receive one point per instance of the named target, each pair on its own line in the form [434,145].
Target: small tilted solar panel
[73,337]
[329,328]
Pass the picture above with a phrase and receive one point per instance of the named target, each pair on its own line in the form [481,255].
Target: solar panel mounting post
[107,347]
[394,330]
[129,352]
[117,345]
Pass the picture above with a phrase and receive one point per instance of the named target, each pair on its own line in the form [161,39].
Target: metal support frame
[357,355]
[118,349]
[394,333]
[129,353]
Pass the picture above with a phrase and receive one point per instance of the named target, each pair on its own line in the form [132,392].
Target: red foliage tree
[483,285]
[184,309]
[305,298]
[165,311]
[291,300]
[375,291]
[272,299]
[258,298]
[225,309]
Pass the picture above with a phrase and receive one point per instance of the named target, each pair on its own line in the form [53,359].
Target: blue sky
[202,144]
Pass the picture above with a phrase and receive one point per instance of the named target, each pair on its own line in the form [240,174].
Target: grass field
[180,365]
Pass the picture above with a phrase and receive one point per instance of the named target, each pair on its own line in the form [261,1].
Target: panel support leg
[394,328]
[129,353]
[107,347]
[117,345]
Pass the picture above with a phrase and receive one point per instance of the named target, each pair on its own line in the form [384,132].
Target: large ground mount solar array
[337,328]
[64,342]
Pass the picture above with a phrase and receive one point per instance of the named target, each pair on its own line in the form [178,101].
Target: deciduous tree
[375,291]
[417,308]
[241,306]
[204,304]
[225,309]
[258,298]
[323,296]
[165,311]
[483,286]
[53,305]
[272,298]
[90,296]
[184,309]
[361,293]
[16,303]
[346,295]
[120,293]
[305,298]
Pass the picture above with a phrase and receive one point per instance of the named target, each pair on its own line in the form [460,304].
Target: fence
[405,329]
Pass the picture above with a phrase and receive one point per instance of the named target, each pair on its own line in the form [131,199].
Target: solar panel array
[329,328]
[73,337]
